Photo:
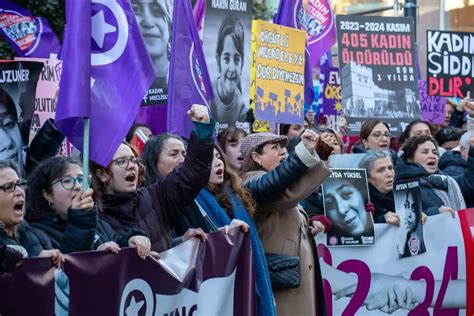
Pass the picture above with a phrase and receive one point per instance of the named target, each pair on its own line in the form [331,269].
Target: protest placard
[279,73]
[377,61]
[450,63]
[432,107]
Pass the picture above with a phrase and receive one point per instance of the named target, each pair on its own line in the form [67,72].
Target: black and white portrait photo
[154,18]
[407,199]
[226,44]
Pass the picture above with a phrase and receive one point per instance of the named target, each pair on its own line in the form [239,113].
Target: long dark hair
[234,182]
[40,179]
[151,154]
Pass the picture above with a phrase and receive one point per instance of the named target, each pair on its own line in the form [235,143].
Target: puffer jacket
[156,208]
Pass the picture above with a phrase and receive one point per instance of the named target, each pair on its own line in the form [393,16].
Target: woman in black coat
[157,207]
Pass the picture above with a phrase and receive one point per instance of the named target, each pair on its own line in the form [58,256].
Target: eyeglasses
[378,135]
[124,161]
[11,186]
[68,182]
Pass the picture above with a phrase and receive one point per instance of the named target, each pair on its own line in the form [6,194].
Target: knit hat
[252,141]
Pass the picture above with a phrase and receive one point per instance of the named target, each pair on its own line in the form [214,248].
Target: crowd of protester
[267,184]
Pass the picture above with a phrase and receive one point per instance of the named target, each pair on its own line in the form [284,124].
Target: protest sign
[450,63]
[279,73]
[377,61]
[17,100]
[433,283]
[432,107]
[226,45]
[332,99]
[346,195]
[407,199]
[194,278]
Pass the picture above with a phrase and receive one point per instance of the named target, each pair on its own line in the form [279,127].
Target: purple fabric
[104,283]
[319,15]
[199,11]
[30,36]
[288,15]
[189,81]
[106,72]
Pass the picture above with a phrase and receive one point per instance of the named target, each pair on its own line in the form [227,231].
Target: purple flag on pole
[189,81]
[28,35]
[318,22]
[288,15]
[199,11]
[106,72]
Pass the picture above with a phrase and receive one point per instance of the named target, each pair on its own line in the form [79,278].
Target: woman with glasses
[58,206]
[13,229]
[156,207]
[375,134]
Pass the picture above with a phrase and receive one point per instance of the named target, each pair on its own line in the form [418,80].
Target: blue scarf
[265,301]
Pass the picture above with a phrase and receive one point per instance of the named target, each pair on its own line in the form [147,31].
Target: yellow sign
[278,56]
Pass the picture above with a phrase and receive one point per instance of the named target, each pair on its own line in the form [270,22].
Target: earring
[51,205]
[260,163]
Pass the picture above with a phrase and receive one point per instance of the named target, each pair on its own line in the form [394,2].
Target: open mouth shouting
[18,208]
[131,179]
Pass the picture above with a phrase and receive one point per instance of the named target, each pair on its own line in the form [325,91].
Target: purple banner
[432,107]
[318,22]
[211,278]
[332,99]
[28,35]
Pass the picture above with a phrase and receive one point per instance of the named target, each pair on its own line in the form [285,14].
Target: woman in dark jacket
[278,184]
[157,207]
[380,177]
[12,206]
[57,205]
[439,193]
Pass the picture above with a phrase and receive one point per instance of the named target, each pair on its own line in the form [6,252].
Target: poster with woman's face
[345,195]
[407,198]
[226,45]
[154,18]
[17,101]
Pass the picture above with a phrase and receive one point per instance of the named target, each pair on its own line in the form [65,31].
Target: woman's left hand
[109,246]
[424,218]
[235,223]
[194,232]
[142,244]
[316,227]
[56,256]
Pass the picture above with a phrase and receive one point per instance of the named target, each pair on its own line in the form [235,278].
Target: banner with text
[450,63]
[377,61]
[377,280]
[432,107]
[194,278]
[332,99]
[279,73]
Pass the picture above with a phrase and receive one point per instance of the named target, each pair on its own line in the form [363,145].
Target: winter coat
[156,208]
[383,203]
[452,163]
[44,145]
[282,225]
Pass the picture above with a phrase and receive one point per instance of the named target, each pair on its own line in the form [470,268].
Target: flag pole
[85,155]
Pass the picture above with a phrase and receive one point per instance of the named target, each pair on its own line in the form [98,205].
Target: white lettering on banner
[436,277]
[215,297]
[14,76]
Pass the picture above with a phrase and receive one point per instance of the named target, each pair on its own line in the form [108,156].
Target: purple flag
[106,72]
[288,15]
[189,81]
[28,35]
[318,22]
[199,11]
